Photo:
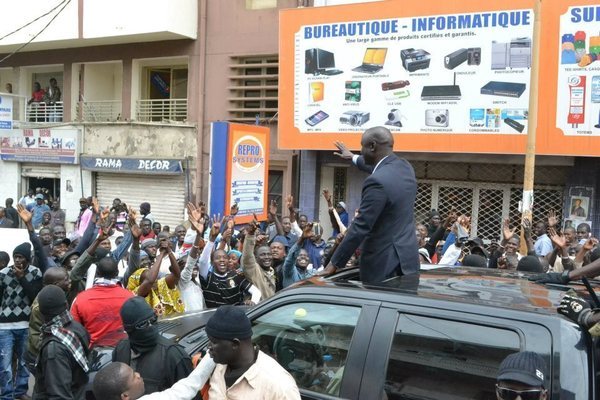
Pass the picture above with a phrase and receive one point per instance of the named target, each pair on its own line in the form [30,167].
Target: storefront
[161,182]
[47,159]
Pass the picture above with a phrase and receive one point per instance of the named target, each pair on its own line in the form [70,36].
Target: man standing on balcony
[51,98]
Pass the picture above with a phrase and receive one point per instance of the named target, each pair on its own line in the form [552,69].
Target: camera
[437,118]
[394,117]
[354,118]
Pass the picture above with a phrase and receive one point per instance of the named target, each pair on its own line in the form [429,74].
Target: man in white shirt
[118,381]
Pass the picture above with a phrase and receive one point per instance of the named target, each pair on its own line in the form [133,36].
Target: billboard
[570,79]
[40,145]
[443,76]
[239,170]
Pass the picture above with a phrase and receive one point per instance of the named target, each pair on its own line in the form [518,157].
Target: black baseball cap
[58,242]
[524,367]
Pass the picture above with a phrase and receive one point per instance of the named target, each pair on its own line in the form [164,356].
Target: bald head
[381,135]
[376,143]
[54,275]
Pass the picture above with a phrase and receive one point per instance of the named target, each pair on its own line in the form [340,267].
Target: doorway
[52,185]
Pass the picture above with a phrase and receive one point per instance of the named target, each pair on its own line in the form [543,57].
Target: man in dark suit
[385,223]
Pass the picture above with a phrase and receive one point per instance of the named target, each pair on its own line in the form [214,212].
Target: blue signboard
[156,166]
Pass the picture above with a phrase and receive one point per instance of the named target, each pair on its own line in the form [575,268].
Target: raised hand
[24,214]
[506,231]
[307,232]
[327,196]
[95,205]
[104,214]
[590,244]
[344,152]
[252,226]
[195,217]
[227,235]
[526,224]
[289,201]
[132,216]
[104,232]
[273,207]
[558,239]
[234,210]
[230,224]
[552,219]
[215,228]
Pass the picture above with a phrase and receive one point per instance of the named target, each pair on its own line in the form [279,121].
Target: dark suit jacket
[385,225]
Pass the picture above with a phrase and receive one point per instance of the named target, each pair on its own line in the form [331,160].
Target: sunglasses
[142,324]
[510,394]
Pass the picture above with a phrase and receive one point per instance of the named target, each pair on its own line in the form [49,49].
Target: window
[276,189]
[310,340]
[432,358]
[260,4]
[253,89]
[340,182]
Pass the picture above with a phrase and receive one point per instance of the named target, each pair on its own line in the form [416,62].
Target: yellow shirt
[264,380]
[163,300]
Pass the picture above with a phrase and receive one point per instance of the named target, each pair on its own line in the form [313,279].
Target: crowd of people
[107,281]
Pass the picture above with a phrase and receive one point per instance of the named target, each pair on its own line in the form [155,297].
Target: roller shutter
[166,194]
[40,170]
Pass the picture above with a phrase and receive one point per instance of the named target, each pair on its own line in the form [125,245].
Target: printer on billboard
[413,60]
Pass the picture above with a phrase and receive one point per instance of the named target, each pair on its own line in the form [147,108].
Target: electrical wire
[37,34]
[31,22]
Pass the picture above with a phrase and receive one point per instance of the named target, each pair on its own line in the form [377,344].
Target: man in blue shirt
[38,210]
[543,244]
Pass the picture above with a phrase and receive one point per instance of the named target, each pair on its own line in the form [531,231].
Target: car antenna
[591,291]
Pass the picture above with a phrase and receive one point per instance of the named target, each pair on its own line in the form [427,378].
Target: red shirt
[98,310]
[151,235]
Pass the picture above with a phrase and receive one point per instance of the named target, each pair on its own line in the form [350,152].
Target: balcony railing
[99,111]
[42,112]
[161,110]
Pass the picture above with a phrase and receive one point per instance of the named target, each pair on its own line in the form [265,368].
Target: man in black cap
[146,349]
[57,276]
[522,376]
[19,284]
[62,366]
[243,371]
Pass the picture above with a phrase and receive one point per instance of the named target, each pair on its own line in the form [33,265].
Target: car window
[432,358]
[310,340]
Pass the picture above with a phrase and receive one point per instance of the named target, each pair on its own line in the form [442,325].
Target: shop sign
[157,166]
[6,112]
[241,178]
[40,145]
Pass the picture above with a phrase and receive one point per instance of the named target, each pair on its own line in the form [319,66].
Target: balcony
[42,112]
[99,111]
[91,22]
[166,110]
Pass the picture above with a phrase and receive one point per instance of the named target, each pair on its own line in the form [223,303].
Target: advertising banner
[570,79]
[40,145]
[132,165]
[6,112]
[239,170]
[443,76]
[248,171]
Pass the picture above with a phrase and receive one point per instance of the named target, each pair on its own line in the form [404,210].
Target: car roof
[489,287]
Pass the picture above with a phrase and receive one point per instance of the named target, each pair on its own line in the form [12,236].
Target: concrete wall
[233,30]
[137,140]
[87,22]
[10,176]
[103,81]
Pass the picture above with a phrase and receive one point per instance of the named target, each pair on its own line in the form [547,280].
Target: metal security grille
[423,202]
[486,192]
[253,88]
[340,175]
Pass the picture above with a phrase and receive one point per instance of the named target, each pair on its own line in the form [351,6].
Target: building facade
[140,84]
